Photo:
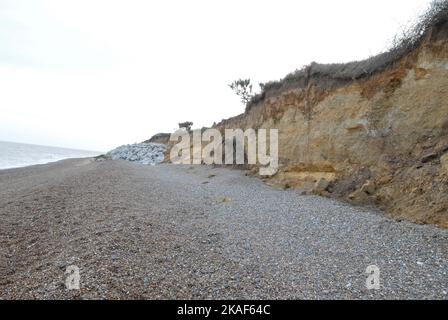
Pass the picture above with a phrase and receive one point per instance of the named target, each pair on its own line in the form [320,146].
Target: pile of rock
[144,153]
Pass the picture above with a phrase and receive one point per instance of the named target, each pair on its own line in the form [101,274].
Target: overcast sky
[95,74]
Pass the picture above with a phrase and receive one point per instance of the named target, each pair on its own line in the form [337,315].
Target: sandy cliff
[370,132]
[381,140]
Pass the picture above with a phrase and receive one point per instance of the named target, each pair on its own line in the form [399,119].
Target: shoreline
[20,155]
[46,163]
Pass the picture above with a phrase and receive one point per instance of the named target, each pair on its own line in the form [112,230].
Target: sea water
[15,155]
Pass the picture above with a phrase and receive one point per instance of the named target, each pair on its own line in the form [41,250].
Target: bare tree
[243,89]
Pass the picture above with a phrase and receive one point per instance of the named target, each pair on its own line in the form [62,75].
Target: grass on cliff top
[329,76]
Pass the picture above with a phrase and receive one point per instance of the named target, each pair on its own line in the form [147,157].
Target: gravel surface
[184,232]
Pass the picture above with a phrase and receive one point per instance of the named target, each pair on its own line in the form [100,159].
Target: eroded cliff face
[381,140]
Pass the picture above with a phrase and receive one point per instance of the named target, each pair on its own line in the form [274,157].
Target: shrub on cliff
[433,23]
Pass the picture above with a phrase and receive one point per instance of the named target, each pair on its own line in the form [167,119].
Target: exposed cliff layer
[162,138]
[381,139]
